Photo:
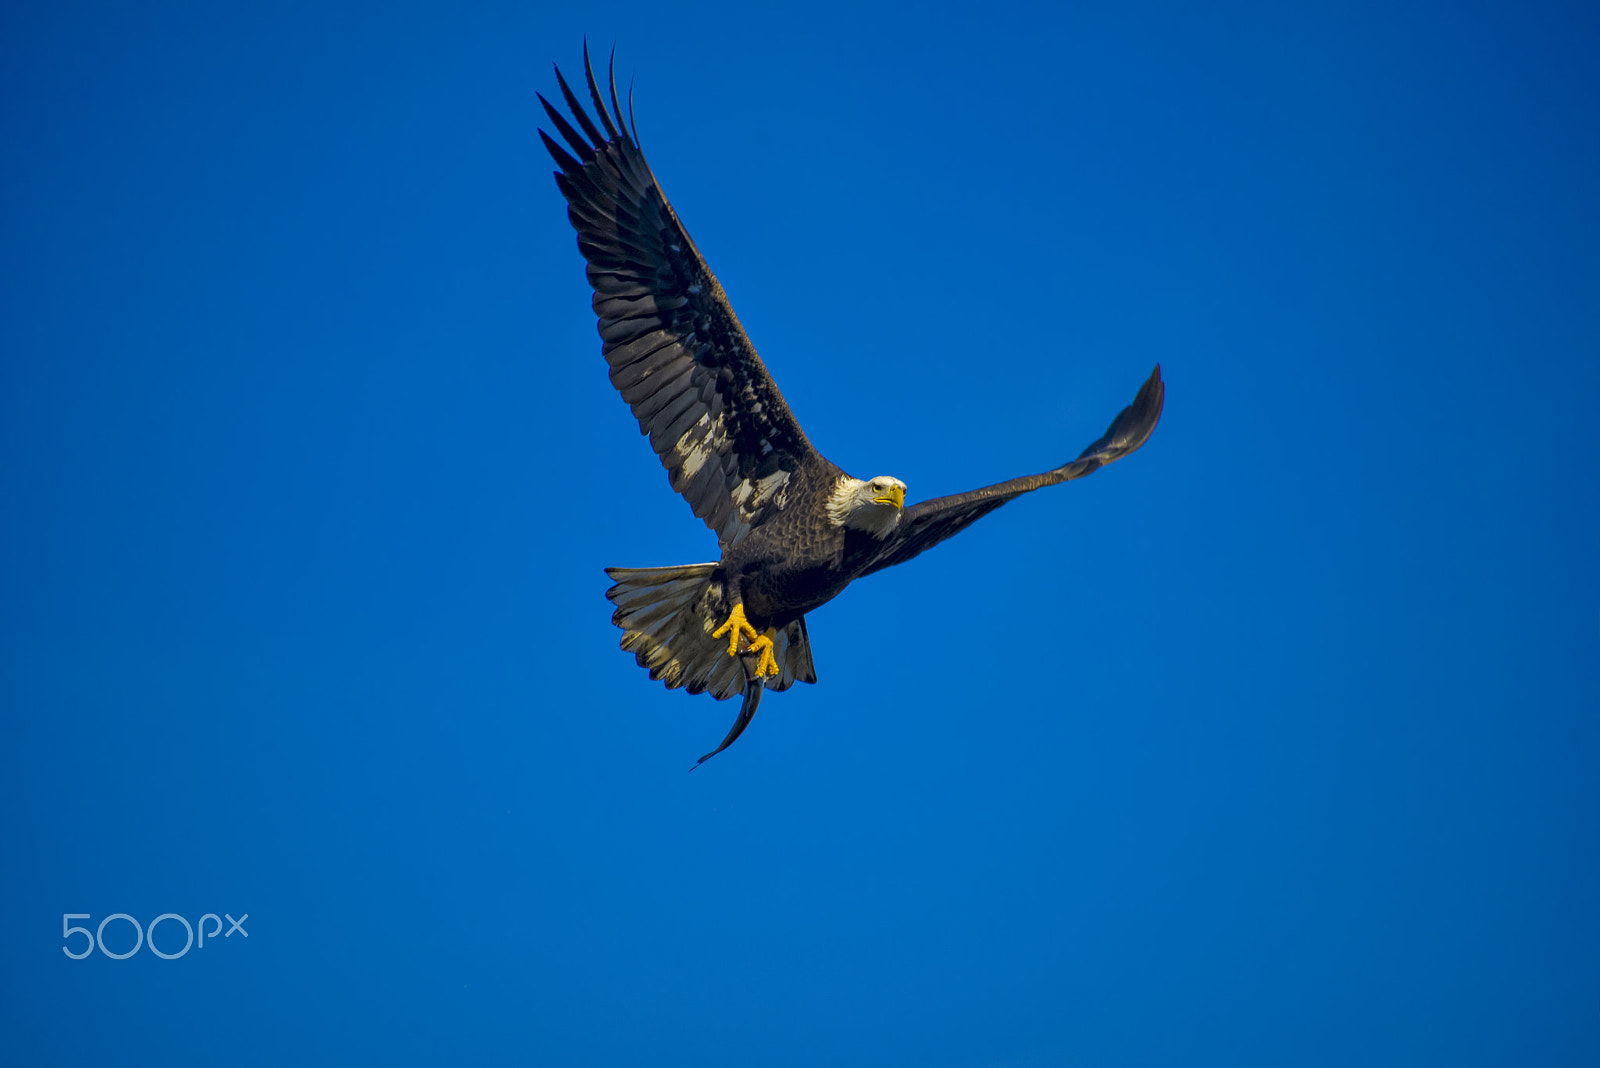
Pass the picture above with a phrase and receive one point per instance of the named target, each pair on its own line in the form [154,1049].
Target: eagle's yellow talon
[738,627]
[768,664]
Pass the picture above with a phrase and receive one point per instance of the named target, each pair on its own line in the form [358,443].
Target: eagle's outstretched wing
[925,525]
[676,349]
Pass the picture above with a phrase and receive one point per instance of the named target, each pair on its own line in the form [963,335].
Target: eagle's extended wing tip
[1157,400]
[1154,382]
[1128,431]
[1139,419]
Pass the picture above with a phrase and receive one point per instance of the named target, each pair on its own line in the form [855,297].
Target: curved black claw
[747,712]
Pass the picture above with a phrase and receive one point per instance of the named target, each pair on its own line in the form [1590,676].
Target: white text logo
[141,935]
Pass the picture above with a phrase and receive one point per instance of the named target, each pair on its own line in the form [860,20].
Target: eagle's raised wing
[676,349]
[924,525]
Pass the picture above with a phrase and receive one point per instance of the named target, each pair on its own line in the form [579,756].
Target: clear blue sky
[1275,744]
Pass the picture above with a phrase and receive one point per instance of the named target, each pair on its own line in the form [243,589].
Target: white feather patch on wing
[751,496]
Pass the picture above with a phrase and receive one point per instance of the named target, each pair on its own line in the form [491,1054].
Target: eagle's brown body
[798,561]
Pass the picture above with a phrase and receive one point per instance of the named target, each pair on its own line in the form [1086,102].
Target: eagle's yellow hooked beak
[895,496]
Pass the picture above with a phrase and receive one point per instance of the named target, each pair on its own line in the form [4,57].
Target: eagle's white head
[872,506]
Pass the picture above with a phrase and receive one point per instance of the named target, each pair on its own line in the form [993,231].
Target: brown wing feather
[675,347]
[925,525]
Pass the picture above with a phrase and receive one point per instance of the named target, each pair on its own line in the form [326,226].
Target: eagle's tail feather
[667,615]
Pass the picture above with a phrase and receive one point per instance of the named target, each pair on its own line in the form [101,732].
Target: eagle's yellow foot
[737,627]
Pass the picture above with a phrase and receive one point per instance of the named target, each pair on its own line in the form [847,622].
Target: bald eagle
[794,530]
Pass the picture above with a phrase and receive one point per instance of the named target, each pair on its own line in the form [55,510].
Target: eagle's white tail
[667,615]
